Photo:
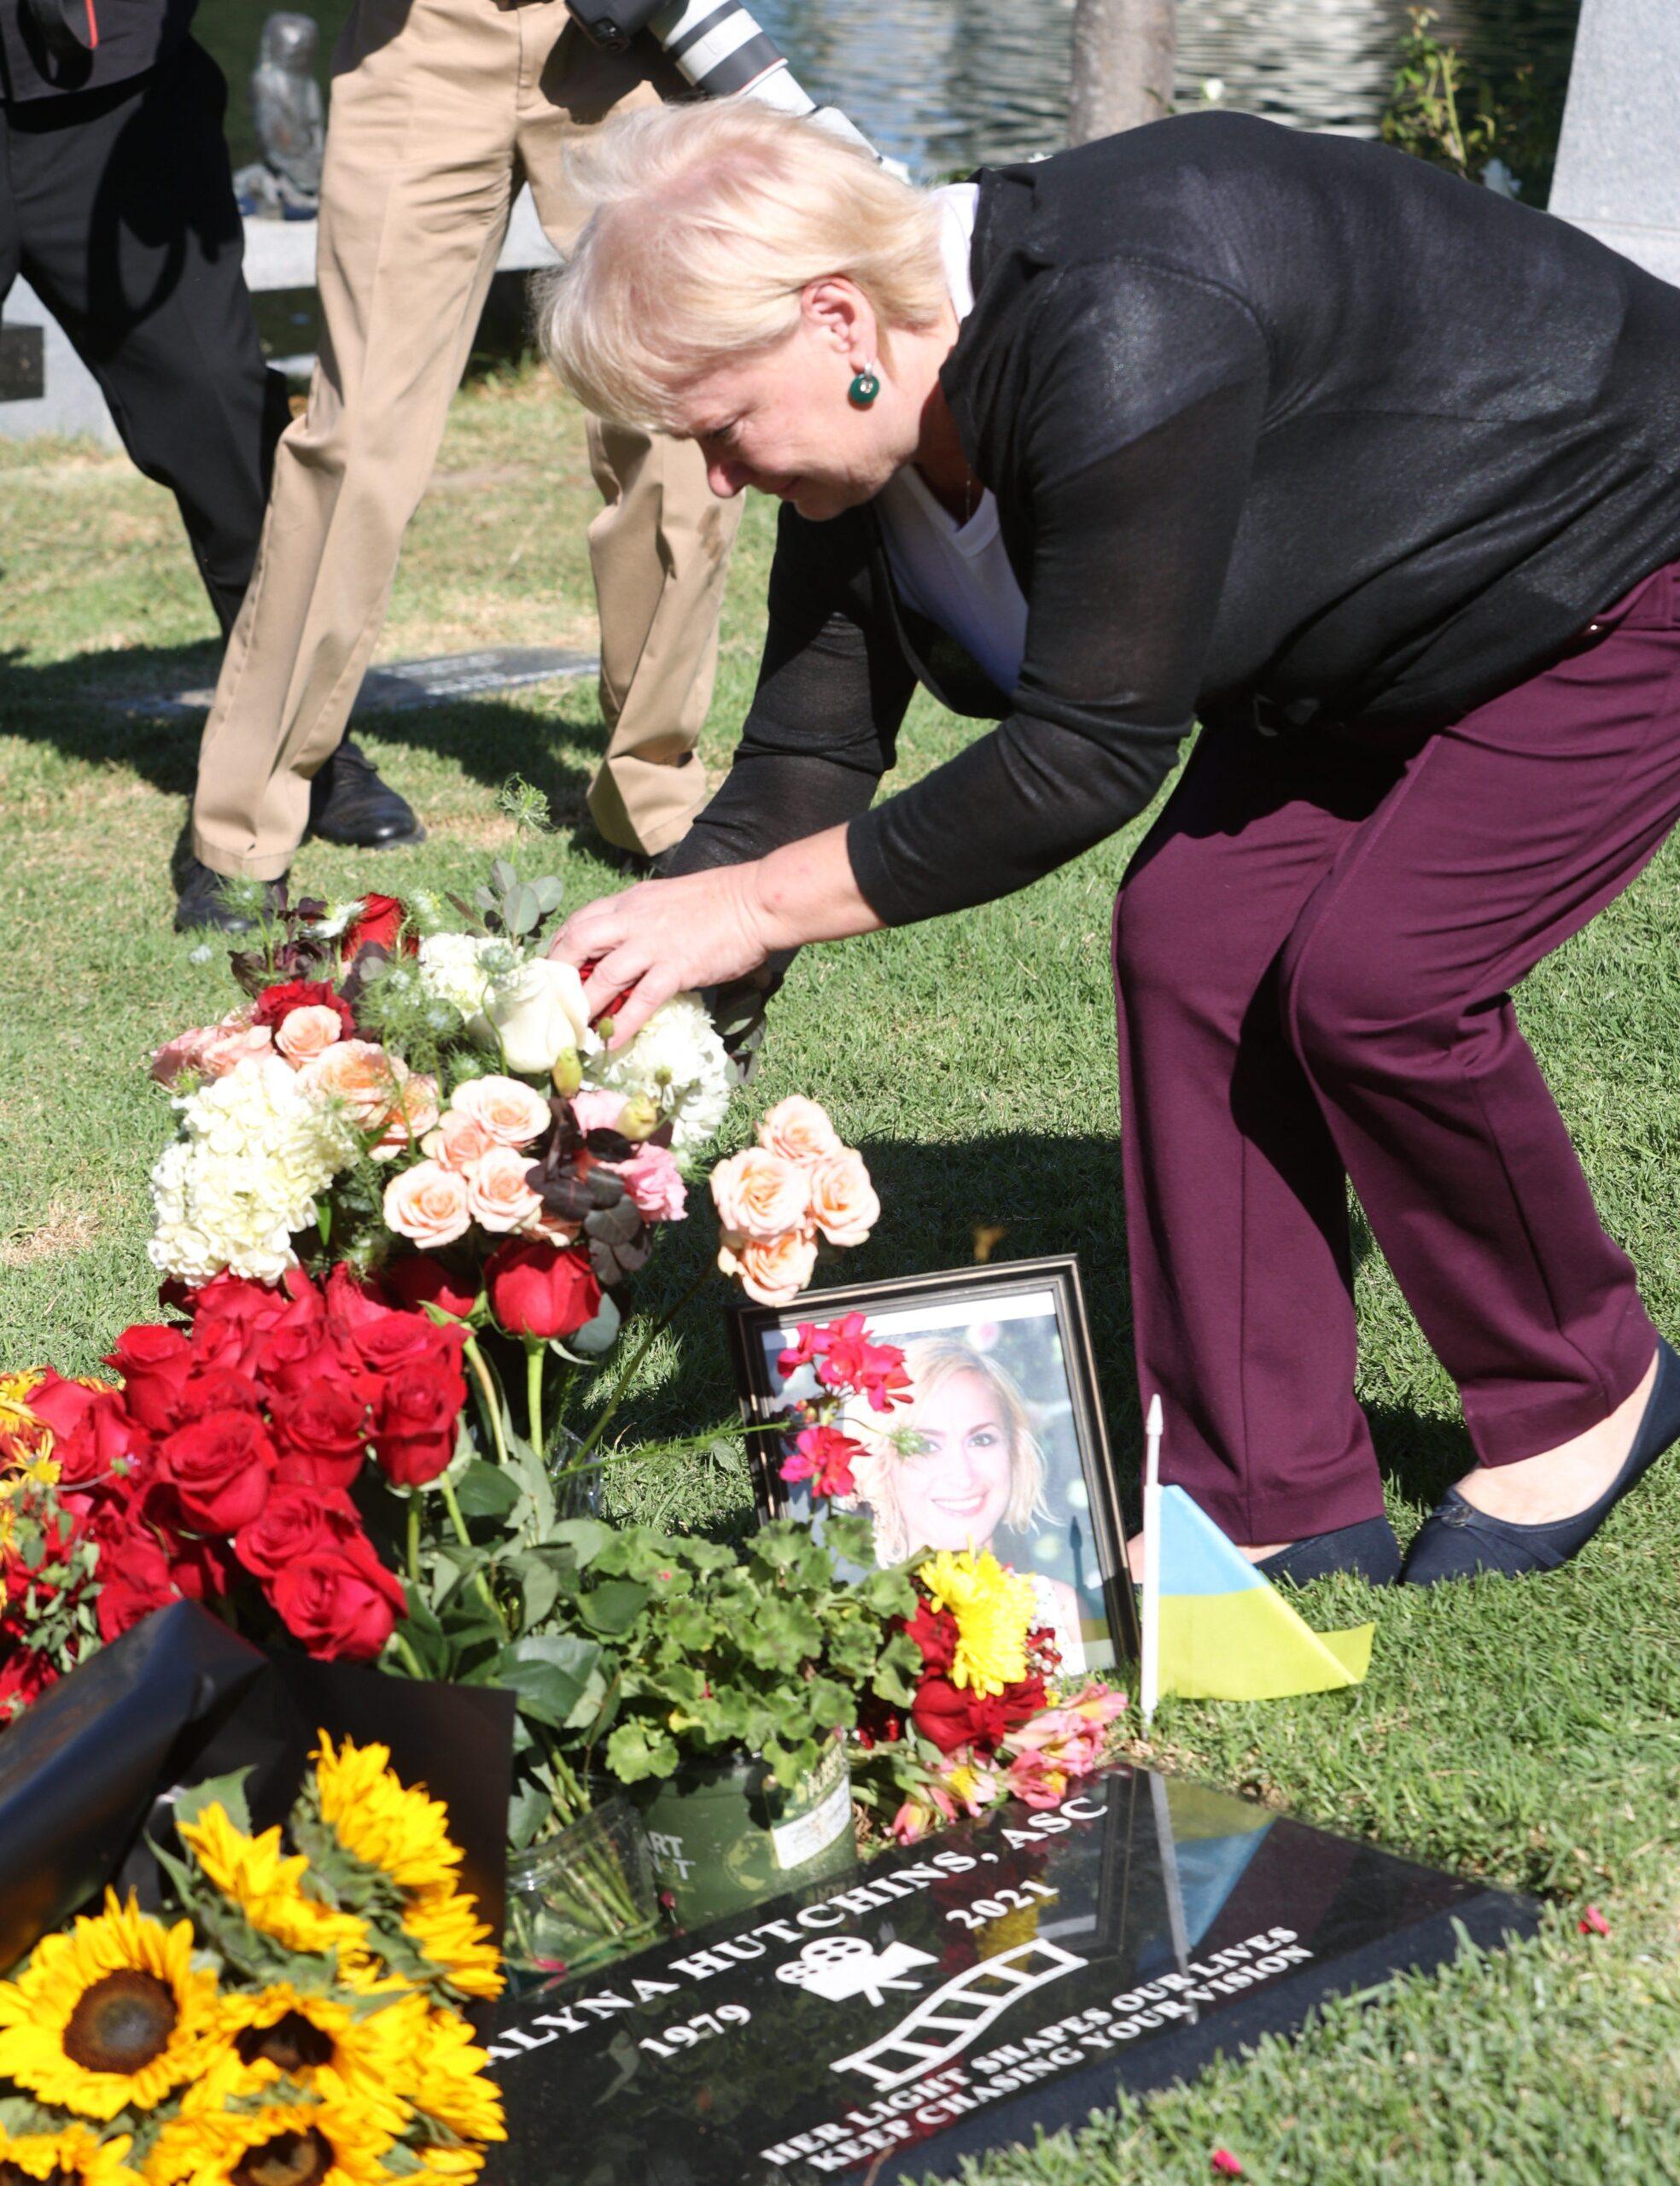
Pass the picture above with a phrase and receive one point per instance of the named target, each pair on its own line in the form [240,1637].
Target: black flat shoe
[199,902]
[1457,1540]
[349,803]
[1367,1550]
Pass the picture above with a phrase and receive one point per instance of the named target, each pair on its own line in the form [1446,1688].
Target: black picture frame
[755,1331]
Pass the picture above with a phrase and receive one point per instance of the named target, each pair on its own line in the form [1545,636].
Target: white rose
[538,1012]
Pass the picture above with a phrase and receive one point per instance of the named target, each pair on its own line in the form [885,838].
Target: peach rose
[427,1204]
[760,1194]
[512,1113]
[362,1077]
[771,1269]
[412,1119]
[498,1193]
[843,1204]
[458,1141]
[550,1228]
[307,1032]
[596,1109]
[799,1131]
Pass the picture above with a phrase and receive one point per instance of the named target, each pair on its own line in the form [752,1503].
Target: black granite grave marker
[23,364]
[958,1994]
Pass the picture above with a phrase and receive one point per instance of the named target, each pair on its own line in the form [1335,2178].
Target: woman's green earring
[864,388]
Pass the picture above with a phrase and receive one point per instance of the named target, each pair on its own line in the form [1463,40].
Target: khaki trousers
[440,109]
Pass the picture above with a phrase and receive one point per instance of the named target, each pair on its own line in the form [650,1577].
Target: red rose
[295,1340]
[296,1523]
[134,1580]
[536,1289]
[951,1717]
[221,1468]
[934,1632]
[24,1675]
[218,1388]
[414,1433]
[340,1602]
[320,1428]
[154,1361]
[275,1004]
[102,1437]
[60,1405]
[230,1316]
[422,1279]
[380,1336]
[378,926]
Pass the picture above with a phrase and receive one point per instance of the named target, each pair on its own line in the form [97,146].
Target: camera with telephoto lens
[723,50]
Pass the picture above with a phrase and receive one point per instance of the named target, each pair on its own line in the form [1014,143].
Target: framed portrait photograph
[1001,1444]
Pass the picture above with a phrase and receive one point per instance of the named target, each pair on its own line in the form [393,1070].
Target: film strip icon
[945,2023]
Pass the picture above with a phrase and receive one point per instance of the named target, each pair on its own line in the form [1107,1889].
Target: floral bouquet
[294,2017]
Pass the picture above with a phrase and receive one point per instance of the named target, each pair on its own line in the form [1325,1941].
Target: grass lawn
[1529,1733]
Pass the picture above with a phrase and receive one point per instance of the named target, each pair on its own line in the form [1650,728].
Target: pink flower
[497,1191]
[850,1361]
[1036,1780]
[932,1810]
[799,1130]
[411,1120]
[428,1205]
[460,1141]
[1226,2164]
[596,1109]
[1593,1922]
[511,1112]
[825,1457]
[654,1181]
[361,1076]
[760,1195]
[305,1034]
[212,1050]
[771,1269]
[843,1204]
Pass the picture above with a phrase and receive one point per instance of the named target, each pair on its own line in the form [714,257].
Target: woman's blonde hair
[931,1362]
[704,223]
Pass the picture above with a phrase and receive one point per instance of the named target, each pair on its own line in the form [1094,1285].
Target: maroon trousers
[1313,954]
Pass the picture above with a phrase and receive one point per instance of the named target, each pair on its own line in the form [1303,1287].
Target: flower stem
[489,1403]
[487,1592]
[621,1388]
[535,1350]
[409,1657]
[414,1539]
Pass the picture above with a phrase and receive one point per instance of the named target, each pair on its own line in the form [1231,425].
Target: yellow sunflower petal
[73,2157]
[267,1885]
[308,2143]
[391,1825]
[433,2058]
[445,1926]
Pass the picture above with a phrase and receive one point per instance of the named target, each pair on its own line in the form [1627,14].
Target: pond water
[943,83]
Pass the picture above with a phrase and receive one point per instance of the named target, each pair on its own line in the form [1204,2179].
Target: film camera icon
[841,1967]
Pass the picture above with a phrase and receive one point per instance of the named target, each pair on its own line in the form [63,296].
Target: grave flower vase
[725,1835]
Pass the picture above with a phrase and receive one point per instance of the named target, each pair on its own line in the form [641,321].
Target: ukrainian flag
[1224,1632]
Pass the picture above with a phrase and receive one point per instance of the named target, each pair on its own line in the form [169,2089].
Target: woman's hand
[662,937]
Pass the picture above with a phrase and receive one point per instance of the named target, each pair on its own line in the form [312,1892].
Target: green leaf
[600,1334]
[228,1791]
[550,893]
[503,876]
[521,910]
[636,1751]
[552,1674]
[484,1491]
[613,1607]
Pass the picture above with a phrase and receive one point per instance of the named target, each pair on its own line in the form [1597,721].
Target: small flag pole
[1149,1690]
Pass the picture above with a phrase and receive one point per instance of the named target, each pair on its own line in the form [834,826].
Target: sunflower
[450,2166]
[994,1610]
[444,1926]
[381,1820]
[267,1885]
[440,2069]
[335,2143]
[109,2015]
[320,2043]
[73,2157]
[22,1434]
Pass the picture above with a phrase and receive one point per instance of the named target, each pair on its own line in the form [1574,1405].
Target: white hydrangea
[678,1060]
[255,1151]
[454,969]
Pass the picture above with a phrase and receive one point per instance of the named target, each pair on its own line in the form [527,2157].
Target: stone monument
[286,107]
[1618,159]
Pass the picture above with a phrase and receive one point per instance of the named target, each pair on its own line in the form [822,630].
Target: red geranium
[221,1468]
[825,1457]
[538,1289]
[341,1602]
[414,1434]
[275,1004]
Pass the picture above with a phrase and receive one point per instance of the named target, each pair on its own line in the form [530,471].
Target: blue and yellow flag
[1225,1634]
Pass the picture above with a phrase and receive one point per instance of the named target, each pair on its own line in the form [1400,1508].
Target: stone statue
[286,107]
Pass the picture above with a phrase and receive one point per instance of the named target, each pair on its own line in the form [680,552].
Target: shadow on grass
[1046,1195]
[73,704]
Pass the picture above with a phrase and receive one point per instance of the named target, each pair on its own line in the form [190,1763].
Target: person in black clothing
[1375,474]
[117,206]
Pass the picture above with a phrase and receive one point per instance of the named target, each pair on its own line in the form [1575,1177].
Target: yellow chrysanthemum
[109,2015]
[444,1924]
[994,1610]
[442,2072]
[75,2157]
[384,1822]
[267,1885]
[276,2144]
[319,2042]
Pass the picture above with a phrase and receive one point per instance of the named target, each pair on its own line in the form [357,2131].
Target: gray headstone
[1618,160]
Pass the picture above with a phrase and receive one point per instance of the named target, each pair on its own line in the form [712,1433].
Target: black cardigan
[1271,418]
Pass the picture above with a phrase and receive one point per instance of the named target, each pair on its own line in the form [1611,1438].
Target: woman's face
[954,1491]
[784,423]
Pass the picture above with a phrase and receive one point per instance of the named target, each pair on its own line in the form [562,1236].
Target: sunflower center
[12,2174]
[293,2043]
[121,2023]
[289,2159]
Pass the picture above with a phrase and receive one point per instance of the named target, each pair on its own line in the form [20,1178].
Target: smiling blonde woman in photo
[1370,472]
